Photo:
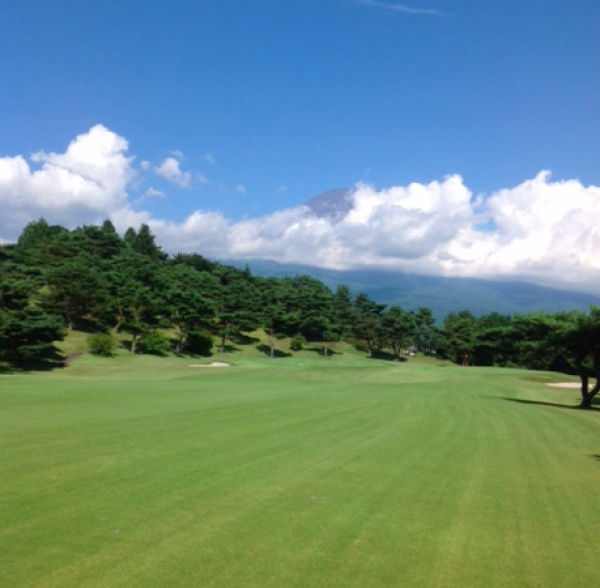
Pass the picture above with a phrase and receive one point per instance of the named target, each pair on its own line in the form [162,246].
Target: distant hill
[442,295]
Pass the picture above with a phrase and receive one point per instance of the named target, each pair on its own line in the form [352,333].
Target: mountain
[441,294]
[333,204]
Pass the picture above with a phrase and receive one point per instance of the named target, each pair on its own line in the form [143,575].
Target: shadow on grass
[318,350]
[50,359]
[276,352]
[87,326]
[228,348]
[243,339]
[554,404]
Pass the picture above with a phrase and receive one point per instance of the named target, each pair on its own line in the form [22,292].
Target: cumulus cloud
[153,193]
[80,185]
[540,231]
[543,231]
[169,170]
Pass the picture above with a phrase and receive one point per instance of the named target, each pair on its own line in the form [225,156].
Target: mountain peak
[333,204]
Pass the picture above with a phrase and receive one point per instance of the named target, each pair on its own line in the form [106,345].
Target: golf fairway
[269,473]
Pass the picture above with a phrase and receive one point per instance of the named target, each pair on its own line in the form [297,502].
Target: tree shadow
[243,339]
[87,326]
[318,350]
[229,348]
[553,404]
[276,352]
[387,356]
[50,359]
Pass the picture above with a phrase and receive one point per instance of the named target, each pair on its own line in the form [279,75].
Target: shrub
[297,343]
[154,343]
[102,344]
[199,343]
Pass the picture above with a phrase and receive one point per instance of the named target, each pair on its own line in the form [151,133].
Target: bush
[154,343]
[199,343]
[102,344]
[297,343]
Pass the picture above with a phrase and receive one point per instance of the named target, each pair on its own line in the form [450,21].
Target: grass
[296,472]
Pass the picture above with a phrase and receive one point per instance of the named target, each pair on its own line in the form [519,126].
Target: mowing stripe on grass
[300,476]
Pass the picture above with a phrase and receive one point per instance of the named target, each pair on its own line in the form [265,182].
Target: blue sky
[241,111]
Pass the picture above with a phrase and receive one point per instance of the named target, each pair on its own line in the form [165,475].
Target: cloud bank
[542,231]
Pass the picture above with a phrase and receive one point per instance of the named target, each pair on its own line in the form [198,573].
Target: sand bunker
[214,364]
[565,385]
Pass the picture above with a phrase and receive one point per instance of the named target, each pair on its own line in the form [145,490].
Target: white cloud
[169,170]
[403,8]
[240,189]
[153,193]
[542,230]
[78,186]
[209,158]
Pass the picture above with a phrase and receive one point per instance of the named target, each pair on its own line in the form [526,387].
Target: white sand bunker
[565,385]
[214,364]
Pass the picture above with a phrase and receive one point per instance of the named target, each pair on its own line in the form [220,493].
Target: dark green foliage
[343,310]
[195,261]
[154,343]
[199,343]
[187,301]
[458,336]
[96,280]
[366,322]
[425,330]
[578,336]
[397,329]
[297,343]
[102,344]
[76,292]
[27,332]
[237,304]
[100,243]
[130,236]
[144,243]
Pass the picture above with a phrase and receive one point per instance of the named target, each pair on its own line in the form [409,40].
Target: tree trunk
[583,377]
[119,318]
[271,344]
[179,342]
[134,339]
[588,396]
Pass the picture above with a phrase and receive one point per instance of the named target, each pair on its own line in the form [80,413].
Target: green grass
[298,472]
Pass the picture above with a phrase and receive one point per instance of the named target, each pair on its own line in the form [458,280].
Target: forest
[53,280]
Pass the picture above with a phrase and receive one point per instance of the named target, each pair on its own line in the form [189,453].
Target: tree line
[91,278]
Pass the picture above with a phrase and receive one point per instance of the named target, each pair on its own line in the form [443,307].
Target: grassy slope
[147,473]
